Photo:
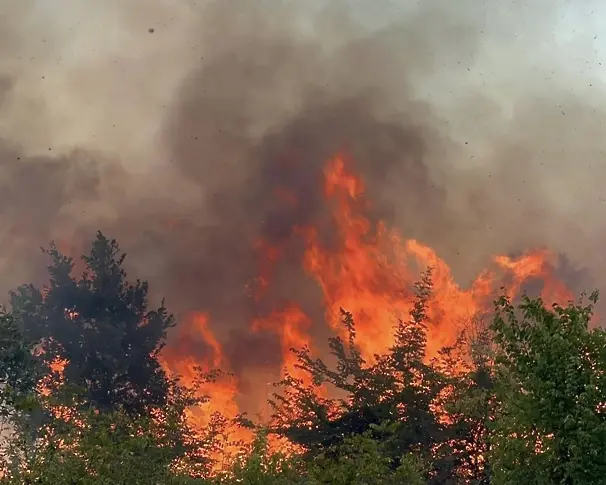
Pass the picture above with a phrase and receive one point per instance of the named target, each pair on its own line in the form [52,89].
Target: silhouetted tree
[101,325]
[400,388]
[19,375]
[470,400]
[521,400]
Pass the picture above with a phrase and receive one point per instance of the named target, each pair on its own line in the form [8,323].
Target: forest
[519,398]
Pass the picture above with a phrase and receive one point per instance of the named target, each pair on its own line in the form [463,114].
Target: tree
[363,460]
[100,325]
[399,389]
[360,461]
[19,374]
[18,371]
[521,400]
[94,448]
[551,371]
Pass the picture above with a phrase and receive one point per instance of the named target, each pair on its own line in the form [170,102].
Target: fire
[369,271]
[291,325]
[536,265]
[219,394]
[55,378]
[363,275]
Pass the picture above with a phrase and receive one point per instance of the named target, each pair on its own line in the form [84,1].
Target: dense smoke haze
[477,127]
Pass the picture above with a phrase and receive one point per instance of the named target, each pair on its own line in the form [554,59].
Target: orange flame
[219,395]
[291,325]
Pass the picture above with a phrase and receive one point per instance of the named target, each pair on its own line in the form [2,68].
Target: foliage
[551,427]
[259,466]
[96,448]
[361,461]
[17,366]
[470,402]
[18,370]
[520,398]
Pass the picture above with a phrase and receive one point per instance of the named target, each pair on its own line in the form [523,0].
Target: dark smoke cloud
[477,131]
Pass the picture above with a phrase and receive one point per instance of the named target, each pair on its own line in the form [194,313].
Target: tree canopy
[520,398]
[101,325]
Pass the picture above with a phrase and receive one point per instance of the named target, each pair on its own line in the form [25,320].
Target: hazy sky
[511,91]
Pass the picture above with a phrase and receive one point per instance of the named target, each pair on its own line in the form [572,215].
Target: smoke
[477,128]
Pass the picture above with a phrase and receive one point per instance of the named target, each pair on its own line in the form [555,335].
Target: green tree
[19,373]
[101,325]
[257,465]
[551,371]
[94,448]
[360,460]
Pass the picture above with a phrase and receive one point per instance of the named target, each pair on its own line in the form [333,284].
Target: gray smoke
[476,126]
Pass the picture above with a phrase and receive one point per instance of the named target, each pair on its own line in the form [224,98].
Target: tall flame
[219,395]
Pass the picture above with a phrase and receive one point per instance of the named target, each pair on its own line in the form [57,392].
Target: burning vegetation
[368,270]
[427,374]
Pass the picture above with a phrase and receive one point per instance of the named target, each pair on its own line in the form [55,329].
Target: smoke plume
[476,127]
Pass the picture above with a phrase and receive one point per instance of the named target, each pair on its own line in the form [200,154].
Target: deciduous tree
[551,376]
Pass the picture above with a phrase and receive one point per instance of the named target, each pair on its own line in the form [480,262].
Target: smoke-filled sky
[477,126]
